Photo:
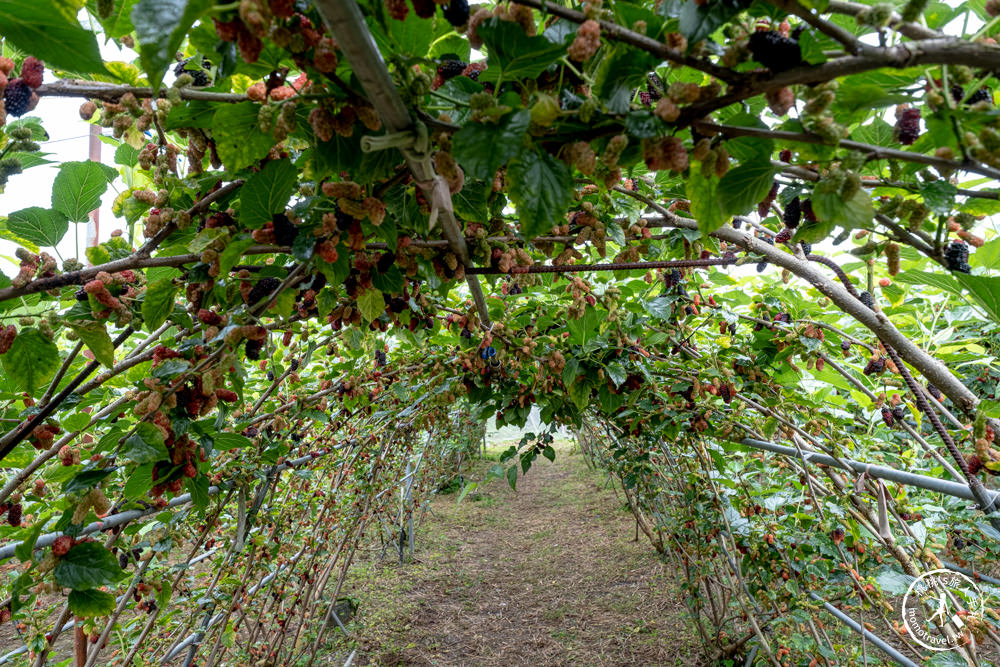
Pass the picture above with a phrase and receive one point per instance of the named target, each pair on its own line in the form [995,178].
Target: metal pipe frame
[344,19]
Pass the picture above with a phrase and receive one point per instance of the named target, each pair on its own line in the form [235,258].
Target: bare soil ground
[546,575]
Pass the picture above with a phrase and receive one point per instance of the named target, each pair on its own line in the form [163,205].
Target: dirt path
[549,575]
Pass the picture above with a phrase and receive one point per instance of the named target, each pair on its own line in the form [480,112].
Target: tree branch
[138,260]
[872,152]
[613,31]
[112,93]
[832,30]
[911,30]
[938,51]
[930,367]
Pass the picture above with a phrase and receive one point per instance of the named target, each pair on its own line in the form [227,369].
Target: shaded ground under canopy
[547,575]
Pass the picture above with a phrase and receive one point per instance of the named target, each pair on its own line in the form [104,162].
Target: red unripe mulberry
[907,125]
[32,70]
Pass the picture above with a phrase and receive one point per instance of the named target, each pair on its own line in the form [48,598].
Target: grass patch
[547,574]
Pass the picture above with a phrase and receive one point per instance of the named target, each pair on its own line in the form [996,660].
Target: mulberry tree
[744,250]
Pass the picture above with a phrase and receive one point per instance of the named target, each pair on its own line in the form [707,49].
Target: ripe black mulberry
[17,97]
[253,349]
[774,51]
[907,125]
[981,95]
[956,257]
[199,75]
[793,214]
[875,366]
[449,69]
[264,288]
[457,12]
[284,230]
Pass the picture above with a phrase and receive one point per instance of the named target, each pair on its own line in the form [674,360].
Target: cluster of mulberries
[42,436]
[98,290]
[586,42]
[956,257]
[262,91]
[448,69]
[665,154]
[199,73]
[19,96]
[714,160]
[94,499]
[907,129]
[280,229]
[69,456]
[775,51]
[689,93]
[915,213]
[473,70]
[875,366]
[655,89]
[338,189]
[286,28]
[325,55]
[162,353]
